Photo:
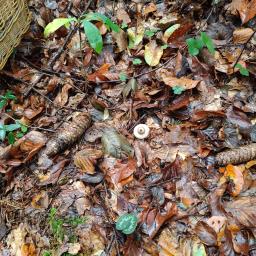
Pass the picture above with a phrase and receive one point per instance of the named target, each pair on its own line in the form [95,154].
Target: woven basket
[14,22]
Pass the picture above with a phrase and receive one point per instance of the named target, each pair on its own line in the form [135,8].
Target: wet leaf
[206,234]
[115,144]
[153,53]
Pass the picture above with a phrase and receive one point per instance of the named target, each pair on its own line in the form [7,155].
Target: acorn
[141,131]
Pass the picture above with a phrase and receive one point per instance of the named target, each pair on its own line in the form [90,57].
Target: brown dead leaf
[85,159]
[40,201]
[123,16]
[62,98]
[28,249]
[184,82]
[206,233]
[235,174]
[246,9]
[243,210]
[118,172]
[154,219]
[99,75]
[121,40]
[153,53]
[241,35]
[151,7]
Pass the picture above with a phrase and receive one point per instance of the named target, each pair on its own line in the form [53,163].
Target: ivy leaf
[127,223]
[178,89]
[101,17]
[93,35]
[12,127]
[243,70]
[19,135]
[2,132]
[208,42]
[11,138]
[56,24]
[123,77]
[3,103]
[192,46]
[136,61]
[10,96]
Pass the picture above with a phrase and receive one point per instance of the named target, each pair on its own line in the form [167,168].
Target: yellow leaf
[153,53]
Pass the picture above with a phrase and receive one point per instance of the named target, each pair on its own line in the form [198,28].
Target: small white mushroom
[141,131]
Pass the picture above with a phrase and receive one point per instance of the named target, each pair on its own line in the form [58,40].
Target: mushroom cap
[141,131]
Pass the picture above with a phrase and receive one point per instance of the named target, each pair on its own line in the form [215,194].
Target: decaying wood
[237,155]
[68,134]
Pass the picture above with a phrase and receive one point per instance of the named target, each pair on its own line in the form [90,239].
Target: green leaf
[127,223]
[10,96]
[192,46]
[243,70]
[101,17]
[136,61]
[178,89]
[124,25]
[3,102]
[19,135]
[47,253]
[12,127]
[208,42]
[24,128]
[11,137]
[2,132]
[56,24]
[93,35]
[123,77]
[198,249]
[151,32]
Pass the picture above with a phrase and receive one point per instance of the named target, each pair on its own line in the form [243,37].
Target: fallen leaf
[99,75]
[206,233]
[118,172]
[151,7]
[121,40]
[40,201]
[235,174]
[241,35]
[28,249]
[243,210]
[153,53]
[85,159]
[183,81]
[62,98]
[135,36]
[168,32]
[153,220]
[123,16]
[246,9]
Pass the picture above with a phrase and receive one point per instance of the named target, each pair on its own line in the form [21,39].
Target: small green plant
[178,89]
[127,223]
[12,131]
[136,61]
[91,31]
[5,98]
[57,224]
[151,32]
[243,70]
[196,44]
[47,253]
[122,76]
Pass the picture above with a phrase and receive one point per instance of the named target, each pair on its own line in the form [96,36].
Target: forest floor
[79,176]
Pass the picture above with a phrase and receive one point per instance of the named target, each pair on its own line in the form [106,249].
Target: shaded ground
[67,203]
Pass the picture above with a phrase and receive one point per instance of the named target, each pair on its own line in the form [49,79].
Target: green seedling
[243,70]
[12,131]
[123,77]
[5,98]
[196,44]
[91,31]
[151,32]
[136,61]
